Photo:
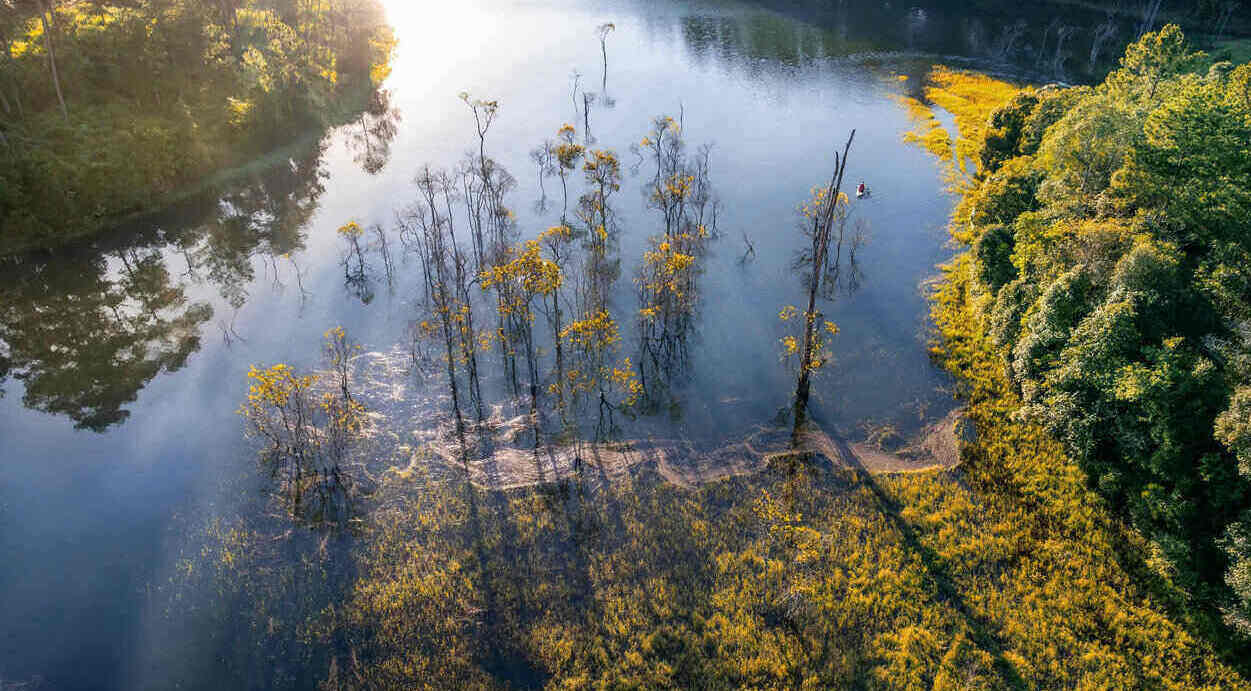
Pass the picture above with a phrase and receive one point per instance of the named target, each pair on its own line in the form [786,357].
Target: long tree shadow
[611,505]
[500,656]
[983,631]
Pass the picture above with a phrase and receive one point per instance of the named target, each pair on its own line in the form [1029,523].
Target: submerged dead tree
[823,217]
[587,100]
[485,183]
[602,32]
[544,156]
[464,278]
[428,223]
[517,282]
[667,281]
[309,424]
[355,268]
[567,154]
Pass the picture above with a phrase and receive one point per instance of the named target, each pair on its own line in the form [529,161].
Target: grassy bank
[1008,573]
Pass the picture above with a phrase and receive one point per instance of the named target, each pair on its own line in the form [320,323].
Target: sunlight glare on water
[436,37]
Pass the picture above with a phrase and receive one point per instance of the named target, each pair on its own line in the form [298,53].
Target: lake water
[126,359]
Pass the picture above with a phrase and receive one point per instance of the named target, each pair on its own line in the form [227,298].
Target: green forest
[108,109]
[1110,247]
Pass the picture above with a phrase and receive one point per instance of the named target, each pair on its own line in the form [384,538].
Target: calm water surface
[126,360]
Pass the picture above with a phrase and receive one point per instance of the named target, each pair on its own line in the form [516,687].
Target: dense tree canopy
[111,108]
[1112,266]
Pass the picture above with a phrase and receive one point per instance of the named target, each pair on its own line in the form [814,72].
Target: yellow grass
[970,97]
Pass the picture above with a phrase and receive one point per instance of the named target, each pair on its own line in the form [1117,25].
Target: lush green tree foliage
[113,108]
[1111,267]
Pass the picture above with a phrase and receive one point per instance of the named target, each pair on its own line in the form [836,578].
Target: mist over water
[120,445]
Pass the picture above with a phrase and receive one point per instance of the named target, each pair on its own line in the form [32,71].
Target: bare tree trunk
[532,367]
[603,49]
[564,198]
[45,10]
[821,248]
[560,359]
[587,100]
[451,380]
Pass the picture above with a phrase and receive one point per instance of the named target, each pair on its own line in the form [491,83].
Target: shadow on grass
[983,632]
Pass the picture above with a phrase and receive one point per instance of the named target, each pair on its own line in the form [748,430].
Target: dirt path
[510,464]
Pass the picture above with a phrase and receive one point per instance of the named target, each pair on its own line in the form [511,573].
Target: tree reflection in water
[370,136]
[1048,40]
[83,338]
[85,329]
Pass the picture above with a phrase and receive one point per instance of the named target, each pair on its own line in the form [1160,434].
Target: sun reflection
[437,35]
[401,11]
